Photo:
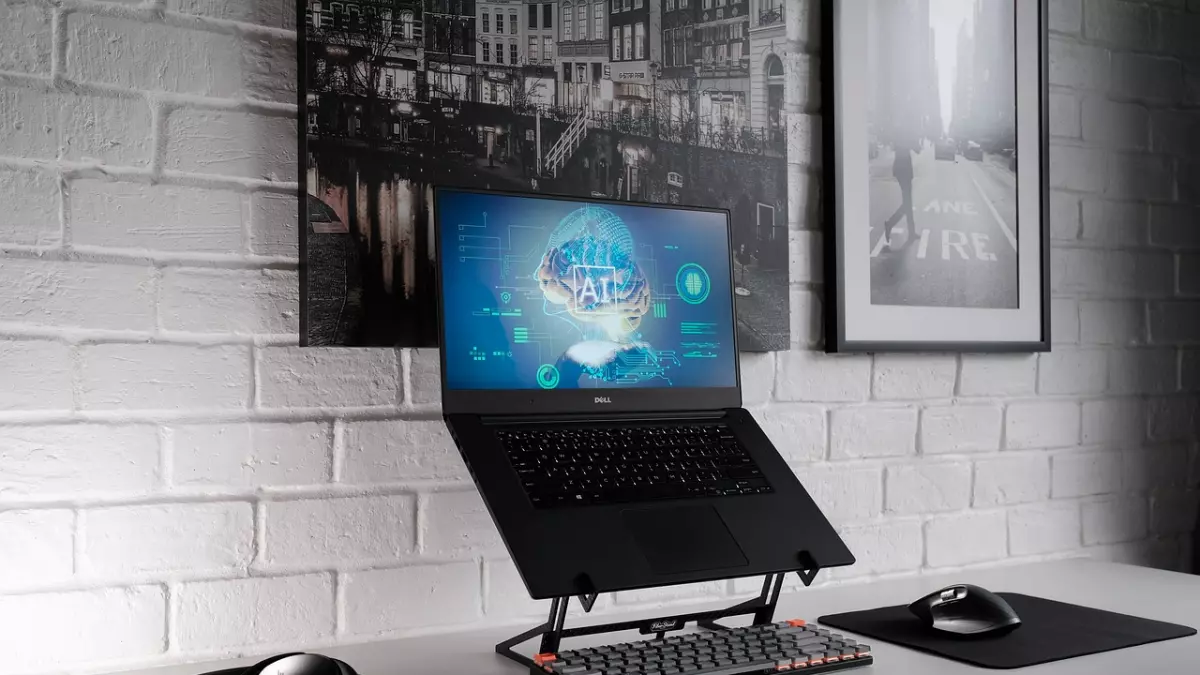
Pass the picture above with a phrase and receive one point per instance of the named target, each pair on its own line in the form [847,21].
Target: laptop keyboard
[562,467]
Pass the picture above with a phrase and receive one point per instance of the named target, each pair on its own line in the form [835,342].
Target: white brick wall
[176,470]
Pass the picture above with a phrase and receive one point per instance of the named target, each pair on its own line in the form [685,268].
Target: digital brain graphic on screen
[563,295]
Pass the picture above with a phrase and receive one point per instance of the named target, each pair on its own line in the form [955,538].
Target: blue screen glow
[565,294]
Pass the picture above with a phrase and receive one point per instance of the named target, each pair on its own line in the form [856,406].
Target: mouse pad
[1050,631]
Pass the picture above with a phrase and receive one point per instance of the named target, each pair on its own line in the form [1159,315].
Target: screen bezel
[532,401]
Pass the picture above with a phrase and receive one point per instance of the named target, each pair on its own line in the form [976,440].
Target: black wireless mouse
[966,610]
[292,664]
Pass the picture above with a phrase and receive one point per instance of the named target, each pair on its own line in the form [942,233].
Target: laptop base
[552,632]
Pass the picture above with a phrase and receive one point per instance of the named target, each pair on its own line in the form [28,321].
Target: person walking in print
[902,171]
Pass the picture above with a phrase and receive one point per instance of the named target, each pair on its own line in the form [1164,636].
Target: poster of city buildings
[936,110]
[664,101]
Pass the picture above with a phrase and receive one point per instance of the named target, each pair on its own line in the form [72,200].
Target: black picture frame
[837,339]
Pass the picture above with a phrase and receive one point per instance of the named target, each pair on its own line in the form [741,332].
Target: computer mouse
[966,610]
[293,664]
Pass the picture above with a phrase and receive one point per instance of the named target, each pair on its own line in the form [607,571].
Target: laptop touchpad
[683,539]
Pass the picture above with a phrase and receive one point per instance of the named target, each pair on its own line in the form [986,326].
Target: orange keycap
[797,623]
[541,659]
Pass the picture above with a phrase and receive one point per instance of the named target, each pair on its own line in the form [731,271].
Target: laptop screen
[555,293]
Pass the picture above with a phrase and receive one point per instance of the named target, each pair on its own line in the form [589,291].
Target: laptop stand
[553,630]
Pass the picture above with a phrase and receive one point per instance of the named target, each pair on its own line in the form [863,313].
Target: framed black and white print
[936,175]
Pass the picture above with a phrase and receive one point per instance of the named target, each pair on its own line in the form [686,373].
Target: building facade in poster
[669,101]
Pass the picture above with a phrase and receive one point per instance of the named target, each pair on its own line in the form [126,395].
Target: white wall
[179,481]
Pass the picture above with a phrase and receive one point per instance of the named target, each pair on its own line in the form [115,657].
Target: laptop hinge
[599,417]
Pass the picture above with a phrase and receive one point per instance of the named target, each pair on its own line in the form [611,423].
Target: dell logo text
[603,399]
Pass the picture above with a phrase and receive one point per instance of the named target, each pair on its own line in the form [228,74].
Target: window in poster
[939,241]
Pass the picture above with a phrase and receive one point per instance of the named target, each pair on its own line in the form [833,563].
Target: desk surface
[1150,593]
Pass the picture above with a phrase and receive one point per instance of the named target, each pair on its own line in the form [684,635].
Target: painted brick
[155,217]
[111,130]
[997,375]
[900,376]
[232,144]
[1042,424]
[805,259]
[216,615]
[666,594]
[273,220]
[873,432]
[251,454]
[966,428]
[797,431]
[1077,474]
[1173,512]
[893,546]
[1142,371]
[758,377]
[1188,274]
[38,546]
[966,538]
[77,295]
[1175,132]
[1154,467]
[1011,480]
[274,13]
[31,117]
[1114,519]
[323,531]
[37,375]
[1145,77]
[1082,169]
[412,597]
[1137,176]
[812,376]
[244,302]
[1121,126]
[425,378]
[77,459]
[113,51]
[293,377]
[31,208]
[1177,33]
[163,376]
[1112,223]
[507,596]
[1189,370]
[1119,422]
[395,450]
[927,487]
[25,37]
[1066,16]
[103,624]
[1113,274]
[1112,322]
[1065,210]
[807,317]
[1175,226]
[1064,117]
[1044,528]
[168,537]
[845,494]
[1175,322]
[1064,321]
[457,525]
[1121,24]
[1174,419]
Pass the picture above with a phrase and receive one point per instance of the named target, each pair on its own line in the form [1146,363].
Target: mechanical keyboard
[605,465]
[769,648]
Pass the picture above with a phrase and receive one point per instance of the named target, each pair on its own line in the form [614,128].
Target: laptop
[590,381]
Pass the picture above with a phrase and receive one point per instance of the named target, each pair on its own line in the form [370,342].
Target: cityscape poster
[947,248]
[662,101]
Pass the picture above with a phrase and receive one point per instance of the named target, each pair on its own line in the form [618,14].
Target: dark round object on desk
[292,664]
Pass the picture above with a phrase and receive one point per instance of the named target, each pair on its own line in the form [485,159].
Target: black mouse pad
[1050,631]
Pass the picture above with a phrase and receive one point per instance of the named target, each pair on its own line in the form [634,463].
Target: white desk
[1153,594]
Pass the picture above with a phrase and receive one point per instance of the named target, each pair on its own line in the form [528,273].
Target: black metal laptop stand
[553,631]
